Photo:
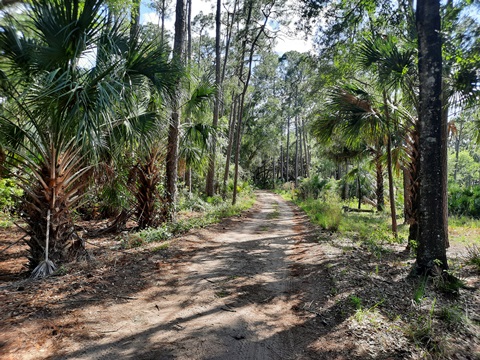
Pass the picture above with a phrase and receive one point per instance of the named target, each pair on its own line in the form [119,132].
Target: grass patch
[327,214]
[275,214]
[161,247]
[422,332]
[453,316]
[464,230]
[168,230]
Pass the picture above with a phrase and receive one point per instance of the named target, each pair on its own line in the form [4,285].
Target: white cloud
[287,44]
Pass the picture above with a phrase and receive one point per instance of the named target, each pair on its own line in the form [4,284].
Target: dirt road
[229,297]
[264,285]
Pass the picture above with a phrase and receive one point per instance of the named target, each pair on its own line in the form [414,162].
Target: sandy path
[229,297]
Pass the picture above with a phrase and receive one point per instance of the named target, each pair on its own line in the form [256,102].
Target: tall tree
[171,176]
[431,251]
[216,109]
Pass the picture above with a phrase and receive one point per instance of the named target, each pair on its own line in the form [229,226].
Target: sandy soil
[258,286]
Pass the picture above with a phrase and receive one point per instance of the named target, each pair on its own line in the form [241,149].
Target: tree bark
[379,173]
[431,251]
[189,30]
[296,151]
[391,193]
[287,151]
[173,129]
[231,132]
[209,188]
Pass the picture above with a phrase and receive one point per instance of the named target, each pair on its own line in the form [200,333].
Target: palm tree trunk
[379,173]
[391,189]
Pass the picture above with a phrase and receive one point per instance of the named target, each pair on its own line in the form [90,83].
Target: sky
[284,43]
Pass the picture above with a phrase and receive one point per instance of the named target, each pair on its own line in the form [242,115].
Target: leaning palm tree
[67,82]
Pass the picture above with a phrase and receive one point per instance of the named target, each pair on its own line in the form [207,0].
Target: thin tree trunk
[173,129]
[296,151]
[245,88]
[189,30]
[391,193]
[163,22]
[307,155]
[273,176]
[445,110]
[379,174]
[211,168]
[228,40]
[391,189]
[231,132]
[458,139]
[281,162]
[359,190]
[406,186]
[431,251]
[287,154]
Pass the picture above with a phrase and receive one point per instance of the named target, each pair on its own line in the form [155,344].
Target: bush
[9,194]
[310,188]
[464,200]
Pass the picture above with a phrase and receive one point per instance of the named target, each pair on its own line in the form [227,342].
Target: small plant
[446,282]
[422,332]
[419,293]
[61,271]
[453,316]
[130,241]
[473,255]
[153,235]
[161,247]
[356,301]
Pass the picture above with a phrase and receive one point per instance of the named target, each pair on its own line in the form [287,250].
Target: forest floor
[262,285]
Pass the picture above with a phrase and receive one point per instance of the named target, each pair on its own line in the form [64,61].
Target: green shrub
[9,194]
[310,188]
[464,200]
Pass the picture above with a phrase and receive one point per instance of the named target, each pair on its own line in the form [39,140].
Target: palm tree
[58,110]
[354,119]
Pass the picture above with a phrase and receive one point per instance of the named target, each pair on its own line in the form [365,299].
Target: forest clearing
[262,285]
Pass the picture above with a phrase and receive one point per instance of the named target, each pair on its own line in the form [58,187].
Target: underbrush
[208,214]
[371,229]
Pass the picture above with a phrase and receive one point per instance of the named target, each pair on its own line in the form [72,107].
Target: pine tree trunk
[431,251]
[231,133]
[307,155]
[173,129]
[287,152]
[209,188]
[296,152]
